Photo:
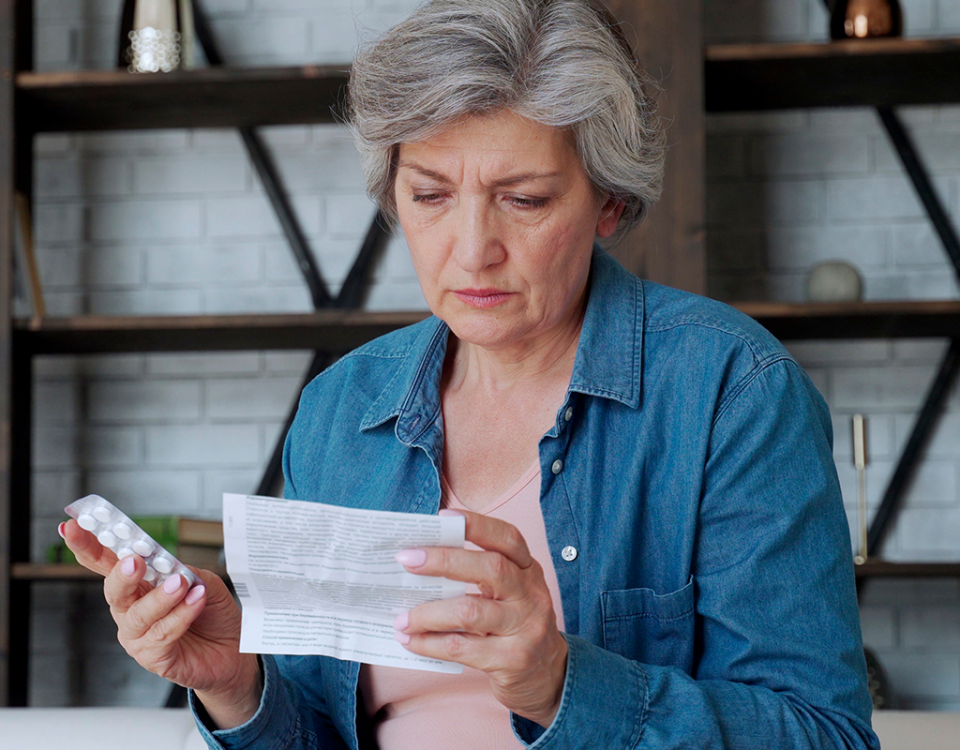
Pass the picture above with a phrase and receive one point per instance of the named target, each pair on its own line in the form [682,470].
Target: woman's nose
[478,243]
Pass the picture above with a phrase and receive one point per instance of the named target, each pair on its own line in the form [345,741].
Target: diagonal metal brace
[922,184]
[907,465]
[270,180]
[351,295]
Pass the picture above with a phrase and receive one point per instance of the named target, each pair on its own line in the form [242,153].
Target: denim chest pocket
[650,628]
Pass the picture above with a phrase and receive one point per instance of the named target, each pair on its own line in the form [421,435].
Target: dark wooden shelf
[884,569]
[51,572]
[854,320]
[203,98]
[737,78]
[334,331]
[341,331]
[888,72]
[870,569]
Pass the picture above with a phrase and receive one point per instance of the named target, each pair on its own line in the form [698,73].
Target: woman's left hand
[508,631]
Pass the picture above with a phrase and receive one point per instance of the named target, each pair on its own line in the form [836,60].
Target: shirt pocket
[650,628]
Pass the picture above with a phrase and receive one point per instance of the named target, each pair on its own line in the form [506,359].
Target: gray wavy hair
[561,63]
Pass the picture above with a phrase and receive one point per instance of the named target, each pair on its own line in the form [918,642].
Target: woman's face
[500,219]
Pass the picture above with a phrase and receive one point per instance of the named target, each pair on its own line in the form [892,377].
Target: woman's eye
[427,198]
[523,201]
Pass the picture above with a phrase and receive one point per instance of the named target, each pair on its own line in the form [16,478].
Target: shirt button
[568,414]
[557,466]
[569,553]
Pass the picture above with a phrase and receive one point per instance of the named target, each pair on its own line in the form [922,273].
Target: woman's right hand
[190,637]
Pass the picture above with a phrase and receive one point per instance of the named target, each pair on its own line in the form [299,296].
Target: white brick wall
[176,222]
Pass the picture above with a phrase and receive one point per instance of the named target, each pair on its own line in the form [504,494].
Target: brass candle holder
[860,463]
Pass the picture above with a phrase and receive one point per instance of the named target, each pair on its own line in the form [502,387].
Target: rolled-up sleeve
[281,721]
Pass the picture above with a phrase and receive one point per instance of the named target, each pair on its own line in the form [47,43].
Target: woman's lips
[482,298]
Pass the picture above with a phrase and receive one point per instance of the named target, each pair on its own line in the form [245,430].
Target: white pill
[123,531]
[150,576]
[107,539]
[102,514]
[163,565]
[125,552]
[142,547]
[87,522]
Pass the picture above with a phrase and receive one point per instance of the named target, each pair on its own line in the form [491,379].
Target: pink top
[424,710]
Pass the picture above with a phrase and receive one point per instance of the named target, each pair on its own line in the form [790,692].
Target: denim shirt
[692,512]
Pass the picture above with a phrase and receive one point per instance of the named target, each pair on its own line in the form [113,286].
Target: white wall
[176,222]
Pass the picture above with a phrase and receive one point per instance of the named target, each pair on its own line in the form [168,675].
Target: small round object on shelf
[834,281]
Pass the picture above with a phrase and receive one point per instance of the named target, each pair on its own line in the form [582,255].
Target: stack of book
[200,543]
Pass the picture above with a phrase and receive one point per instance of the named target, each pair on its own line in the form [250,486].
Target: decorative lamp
[150,35]
[865,19]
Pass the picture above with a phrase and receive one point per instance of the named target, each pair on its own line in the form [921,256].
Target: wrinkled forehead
[495,145]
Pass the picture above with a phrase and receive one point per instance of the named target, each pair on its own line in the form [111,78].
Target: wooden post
[6,256]
[670,247]
[16,168]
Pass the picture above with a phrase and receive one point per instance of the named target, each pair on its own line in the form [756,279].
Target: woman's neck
[536,364]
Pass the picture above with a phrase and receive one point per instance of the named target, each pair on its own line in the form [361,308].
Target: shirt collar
[609,356]
[608,363]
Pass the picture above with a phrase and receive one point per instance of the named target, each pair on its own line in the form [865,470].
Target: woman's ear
[609,217]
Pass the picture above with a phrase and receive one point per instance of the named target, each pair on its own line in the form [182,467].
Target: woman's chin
[484,331]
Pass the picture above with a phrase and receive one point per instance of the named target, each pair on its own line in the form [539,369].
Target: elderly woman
[657,543]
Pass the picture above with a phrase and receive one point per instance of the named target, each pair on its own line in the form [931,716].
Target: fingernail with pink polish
[128,566]
[401,638]
[195,594]
[412,558]
[402,622]
[172,584]
[60,530]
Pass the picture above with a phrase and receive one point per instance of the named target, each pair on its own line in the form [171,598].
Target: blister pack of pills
[116,531]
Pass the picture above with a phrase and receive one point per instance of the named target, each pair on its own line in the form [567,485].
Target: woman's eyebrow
[506,181]
[424,171]
[525,177]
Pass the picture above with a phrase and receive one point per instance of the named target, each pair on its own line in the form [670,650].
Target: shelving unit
[336,330]
[204,98]
[855,73]
[33,103]
[884,569]
[333,331]
[35,572]
[715,79]
[880,74]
